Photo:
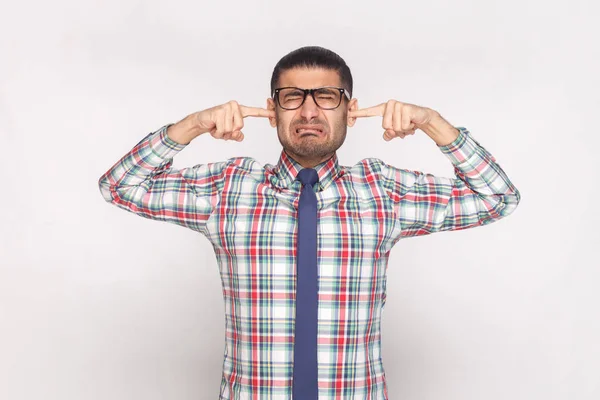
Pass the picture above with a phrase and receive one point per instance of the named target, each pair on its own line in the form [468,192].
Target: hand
[226,120]
[399,119]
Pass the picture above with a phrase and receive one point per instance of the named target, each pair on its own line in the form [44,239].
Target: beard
[308,146]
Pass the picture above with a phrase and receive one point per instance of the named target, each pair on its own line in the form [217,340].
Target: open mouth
[312,131]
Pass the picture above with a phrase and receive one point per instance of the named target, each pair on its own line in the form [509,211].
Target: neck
[309,162]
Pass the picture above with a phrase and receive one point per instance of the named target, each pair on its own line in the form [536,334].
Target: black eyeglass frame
[275,96]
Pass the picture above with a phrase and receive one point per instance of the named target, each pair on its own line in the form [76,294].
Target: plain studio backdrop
[99,303]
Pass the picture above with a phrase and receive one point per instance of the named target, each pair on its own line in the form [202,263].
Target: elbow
[515,197]
[105,189]
[510,202]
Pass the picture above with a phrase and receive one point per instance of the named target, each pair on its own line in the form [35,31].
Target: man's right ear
[271,106]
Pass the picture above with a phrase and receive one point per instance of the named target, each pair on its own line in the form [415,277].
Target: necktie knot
[308,176]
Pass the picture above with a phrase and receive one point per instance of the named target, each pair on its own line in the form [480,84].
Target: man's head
[308,68]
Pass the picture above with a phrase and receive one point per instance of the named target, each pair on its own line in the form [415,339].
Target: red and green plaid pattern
[248,211]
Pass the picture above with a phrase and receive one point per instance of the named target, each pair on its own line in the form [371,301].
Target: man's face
[310,148]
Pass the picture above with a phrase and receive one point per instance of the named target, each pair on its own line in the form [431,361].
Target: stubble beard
[311,147]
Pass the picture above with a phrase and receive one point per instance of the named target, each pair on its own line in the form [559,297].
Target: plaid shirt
[248,213]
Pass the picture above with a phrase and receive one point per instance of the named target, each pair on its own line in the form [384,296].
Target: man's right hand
[224,121]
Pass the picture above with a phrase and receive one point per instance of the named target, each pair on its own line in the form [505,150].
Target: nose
[309,109]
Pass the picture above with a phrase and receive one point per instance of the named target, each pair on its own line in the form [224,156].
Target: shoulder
[366,166]
[247,165]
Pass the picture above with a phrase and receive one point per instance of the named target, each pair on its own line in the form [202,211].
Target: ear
[352,106]
[271,106]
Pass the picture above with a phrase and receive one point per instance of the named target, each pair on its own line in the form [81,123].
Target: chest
[257,220]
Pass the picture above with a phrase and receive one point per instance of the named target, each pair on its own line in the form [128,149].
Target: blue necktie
[305,385]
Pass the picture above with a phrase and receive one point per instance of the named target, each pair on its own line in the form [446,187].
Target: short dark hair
[313,57]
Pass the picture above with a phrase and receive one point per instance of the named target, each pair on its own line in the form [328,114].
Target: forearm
[482,175]
[144,182]
[480,192]
[477,167]
[149,157]
[184,131]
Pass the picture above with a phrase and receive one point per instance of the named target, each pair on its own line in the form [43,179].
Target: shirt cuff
[162,145]
[462,148]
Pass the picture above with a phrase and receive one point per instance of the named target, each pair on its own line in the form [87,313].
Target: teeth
[301,130]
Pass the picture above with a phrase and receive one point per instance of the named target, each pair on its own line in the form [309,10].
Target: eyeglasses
[326,98]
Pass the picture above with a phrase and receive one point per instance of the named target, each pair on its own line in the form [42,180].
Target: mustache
[311,122]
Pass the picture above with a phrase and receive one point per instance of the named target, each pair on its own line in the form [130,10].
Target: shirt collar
[287,169]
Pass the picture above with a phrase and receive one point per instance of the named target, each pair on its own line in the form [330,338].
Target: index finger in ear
[376,111]
[256,112]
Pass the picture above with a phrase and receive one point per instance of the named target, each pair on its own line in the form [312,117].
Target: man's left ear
[352,106]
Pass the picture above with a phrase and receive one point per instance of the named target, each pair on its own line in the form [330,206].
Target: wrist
[440,130]
[184,131]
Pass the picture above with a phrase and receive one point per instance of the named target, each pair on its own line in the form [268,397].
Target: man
[307,228]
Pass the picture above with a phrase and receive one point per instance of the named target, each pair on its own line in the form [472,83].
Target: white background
[98,303]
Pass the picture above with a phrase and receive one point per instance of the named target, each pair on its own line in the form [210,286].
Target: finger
[220,124]
[238,120]
[235,134]
[228,119]
[397,123]
[406,118]
[256,112]
[388,115]
[375,111]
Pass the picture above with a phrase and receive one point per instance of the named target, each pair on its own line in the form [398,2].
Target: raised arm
[144,182]
[479,194]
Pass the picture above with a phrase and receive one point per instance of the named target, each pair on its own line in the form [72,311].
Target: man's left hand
[399,119]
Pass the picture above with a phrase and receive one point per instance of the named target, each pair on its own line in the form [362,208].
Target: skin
[306,148]
[399,119]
